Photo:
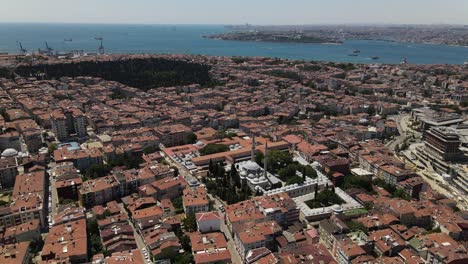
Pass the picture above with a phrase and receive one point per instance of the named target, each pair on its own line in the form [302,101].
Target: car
[144,250]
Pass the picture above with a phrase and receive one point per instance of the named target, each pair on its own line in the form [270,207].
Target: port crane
[101,47]
[22,50]
[48,48]
[48,51]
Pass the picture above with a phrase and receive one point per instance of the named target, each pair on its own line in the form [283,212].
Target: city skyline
[261,12]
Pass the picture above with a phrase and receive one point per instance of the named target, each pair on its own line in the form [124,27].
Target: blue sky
[236,11]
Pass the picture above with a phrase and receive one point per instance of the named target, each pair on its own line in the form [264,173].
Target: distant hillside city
[203,159]
[434,34]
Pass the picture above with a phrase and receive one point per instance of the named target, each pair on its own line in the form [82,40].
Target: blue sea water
[187,39]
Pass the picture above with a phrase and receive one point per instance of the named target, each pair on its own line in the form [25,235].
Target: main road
[402,128]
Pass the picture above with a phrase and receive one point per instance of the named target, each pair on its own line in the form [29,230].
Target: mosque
[256,177]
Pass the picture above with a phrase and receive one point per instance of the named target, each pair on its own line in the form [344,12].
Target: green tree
[106,214]
[401,193]
[184,258]
[36,246]
[190,223]
[52,147]
[191,138]
[185,243]
[310,172]
[351,181]
[212,148]
[150,149]
[278,159]
[324,198]
[95,244]
[97,170]
[355,225]
[259,157]
[295,179]
[287,172]
[178,205]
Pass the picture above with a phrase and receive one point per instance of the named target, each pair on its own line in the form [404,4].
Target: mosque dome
[251,166]
[9,152]
[337,208]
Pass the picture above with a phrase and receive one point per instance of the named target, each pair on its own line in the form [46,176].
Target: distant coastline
[274,37]
[451,35]
[163,39]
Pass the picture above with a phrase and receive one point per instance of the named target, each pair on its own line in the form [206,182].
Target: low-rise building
[99,191]
[27,202]
[253,235]
[67,243]
[208,221]
[29,231]
[195,200]
[15,253]
[133,256]
[81,158]
[209,248]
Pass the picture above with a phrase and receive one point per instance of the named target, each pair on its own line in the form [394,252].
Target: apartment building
[28,201]
[253,235]
[68,123]
[99,191]
[195,200]
[66,243]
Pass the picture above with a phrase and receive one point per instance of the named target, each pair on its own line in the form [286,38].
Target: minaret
[265,161]
[252,158]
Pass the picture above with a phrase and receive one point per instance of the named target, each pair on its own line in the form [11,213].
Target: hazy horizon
[257,12]
[233,24]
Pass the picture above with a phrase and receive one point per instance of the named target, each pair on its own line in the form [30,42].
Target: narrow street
[230,240]
[216,205]
[53,196]
[139,240]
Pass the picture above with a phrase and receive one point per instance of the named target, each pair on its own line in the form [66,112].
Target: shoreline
[112,56]
[340,42]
